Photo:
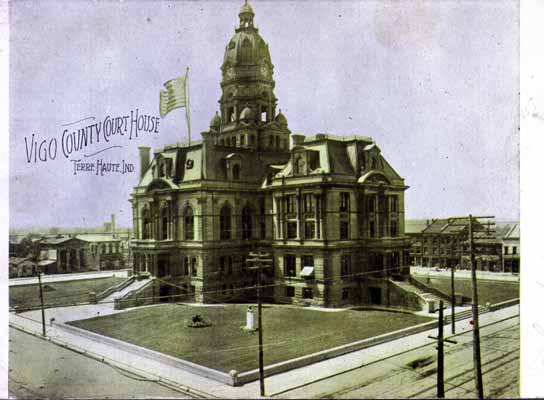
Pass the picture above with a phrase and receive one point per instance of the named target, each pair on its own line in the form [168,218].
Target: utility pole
[262,261]
[41,301]
[452,299]
[440,359]
[475,321]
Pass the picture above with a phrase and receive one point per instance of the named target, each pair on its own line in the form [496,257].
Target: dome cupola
[246,16]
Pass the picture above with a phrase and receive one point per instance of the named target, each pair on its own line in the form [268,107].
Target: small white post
[249,319]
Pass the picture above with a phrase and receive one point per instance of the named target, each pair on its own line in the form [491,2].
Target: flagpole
[187,113]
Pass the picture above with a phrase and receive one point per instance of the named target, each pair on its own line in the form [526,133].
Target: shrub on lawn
[197,321]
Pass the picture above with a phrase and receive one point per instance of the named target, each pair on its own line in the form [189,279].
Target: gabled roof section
[513,233]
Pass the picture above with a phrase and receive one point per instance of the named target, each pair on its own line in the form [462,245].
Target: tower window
[230,114]
[236,172]
[264,116]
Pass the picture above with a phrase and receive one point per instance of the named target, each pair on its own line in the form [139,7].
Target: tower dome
[246,47]
[280,119]
[215,123]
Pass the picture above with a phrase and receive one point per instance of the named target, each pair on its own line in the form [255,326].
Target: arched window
[110,248]
[225,223]
[247,222]
[300,166]
[236,172]
[189,224]
[164,223]
[270,141]
[245,54]
[193,266]
[242,140]
[146,224]
[252,140]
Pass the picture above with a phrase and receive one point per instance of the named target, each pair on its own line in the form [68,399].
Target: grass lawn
[288,332]
[56,293]
[488,291]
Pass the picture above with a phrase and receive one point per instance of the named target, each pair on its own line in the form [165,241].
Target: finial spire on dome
[246,16]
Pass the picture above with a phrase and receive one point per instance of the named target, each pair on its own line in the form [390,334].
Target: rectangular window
[345,293]
[307,261]
[344,202]
[344,230]
[291,230]
[290,265]
[394,229]
[290,291]
[307,293]
[372,229]
[394,203]
[345,265]
[309,229]
[505,249]
[290,204]
[514,250]
[371,203]
[309,203]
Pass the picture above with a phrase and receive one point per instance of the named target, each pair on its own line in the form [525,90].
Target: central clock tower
[247,116]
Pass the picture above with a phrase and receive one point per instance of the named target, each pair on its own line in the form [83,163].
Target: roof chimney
[144,160]
[298,140]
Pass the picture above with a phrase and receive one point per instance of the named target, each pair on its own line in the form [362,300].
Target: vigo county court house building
[328,209]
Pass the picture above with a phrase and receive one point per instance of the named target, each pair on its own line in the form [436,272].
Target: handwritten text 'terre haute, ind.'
[73,140]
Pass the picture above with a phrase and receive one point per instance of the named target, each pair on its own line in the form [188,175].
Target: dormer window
[300,166]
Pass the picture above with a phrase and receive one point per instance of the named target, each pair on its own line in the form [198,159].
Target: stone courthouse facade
[328,209]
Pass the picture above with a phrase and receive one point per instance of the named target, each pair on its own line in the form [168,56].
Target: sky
[435,83]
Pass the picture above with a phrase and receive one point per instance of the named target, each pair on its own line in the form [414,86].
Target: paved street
[60,373]
[413,374]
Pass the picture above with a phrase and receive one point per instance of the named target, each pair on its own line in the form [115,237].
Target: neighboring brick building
[445,243]
[329,209]
[511,250]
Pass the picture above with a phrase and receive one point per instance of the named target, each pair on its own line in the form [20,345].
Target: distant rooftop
[337,138]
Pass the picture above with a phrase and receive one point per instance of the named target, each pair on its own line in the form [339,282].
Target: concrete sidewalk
[210,388]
